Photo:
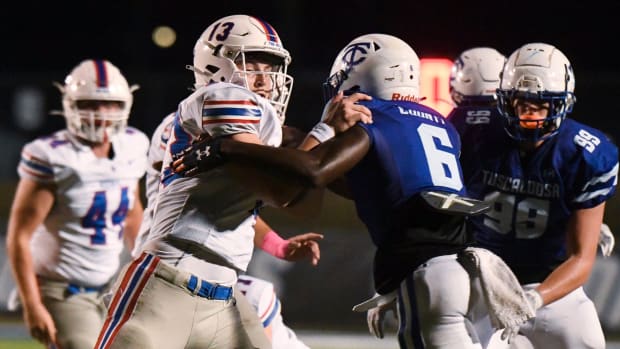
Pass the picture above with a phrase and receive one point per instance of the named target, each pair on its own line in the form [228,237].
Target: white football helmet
[381,65]
[221,52]
[541,73]
[96,80]
[475,76]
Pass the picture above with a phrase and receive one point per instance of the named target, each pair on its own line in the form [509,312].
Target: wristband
[274,245]
[322,132]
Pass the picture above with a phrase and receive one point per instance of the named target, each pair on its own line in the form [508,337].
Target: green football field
[20,344]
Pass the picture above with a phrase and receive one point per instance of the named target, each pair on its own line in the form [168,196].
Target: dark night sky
[51,34]
[50,37]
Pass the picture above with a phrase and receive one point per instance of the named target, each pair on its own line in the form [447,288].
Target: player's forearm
[315,168]
[291,162]
[570,275]
[261,228]
[132,226]
[132,222]
[581,243]
[22,266]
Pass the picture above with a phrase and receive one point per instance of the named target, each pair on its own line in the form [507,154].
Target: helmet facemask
[266,75]
[96,125]
[525,130]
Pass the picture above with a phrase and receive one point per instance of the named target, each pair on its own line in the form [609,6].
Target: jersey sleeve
[599,176]
[35,163]
[229,109]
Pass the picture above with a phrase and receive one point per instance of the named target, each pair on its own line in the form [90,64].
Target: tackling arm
[582,240]
[315,168]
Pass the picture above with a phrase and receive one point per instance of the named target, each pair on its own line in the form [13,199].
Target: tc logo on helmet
[356,53]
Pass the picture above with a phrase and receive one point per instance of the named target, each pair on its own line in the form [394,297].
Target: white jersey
[262,296]
[157,149]
[81,238]
[210,216]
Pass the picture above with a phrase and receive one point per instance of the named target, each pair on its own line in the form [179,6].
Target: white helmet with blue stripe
[96,81]
[221,53]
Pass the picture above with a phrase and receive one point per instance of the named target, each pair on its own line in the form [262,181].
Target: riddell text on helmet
[399,97]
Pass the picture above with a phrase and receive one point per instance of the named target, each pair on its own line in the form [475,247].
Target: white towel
[502,293]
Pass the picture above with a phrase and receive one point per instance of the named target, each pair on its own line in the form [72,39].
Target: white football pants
[440,293]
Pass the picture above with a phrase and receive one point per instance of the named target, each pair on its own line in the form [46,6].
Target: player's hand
[203,155]
[606,240]
[375,317]
[41,325]
[535,302]
[342,112]
[304,246]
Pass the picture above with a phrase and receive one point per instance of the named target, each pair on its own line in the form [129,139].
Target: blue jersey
[533,195]
[412,149]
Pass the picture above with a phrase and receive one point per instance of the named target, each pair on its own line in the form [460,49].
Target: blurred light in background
[435,83]
[28,105]
[164,36]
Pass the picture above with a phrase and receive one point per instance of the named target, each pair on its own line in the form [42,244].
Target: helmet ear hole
[212,69]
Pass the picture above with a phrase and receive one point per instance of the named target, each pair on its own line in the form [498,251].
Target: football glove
[606,240]
[201,156]
[535,301]
[376,307]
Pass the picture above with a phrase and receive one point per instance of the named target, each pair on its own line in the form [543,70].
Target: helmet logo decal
[102,74]
[226,28]
[355,53]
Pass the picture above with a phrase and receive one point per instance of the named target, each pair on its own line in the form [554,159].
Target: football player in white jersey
[285,338]
[156,154]
[262,296]
[178,292]
[77,199]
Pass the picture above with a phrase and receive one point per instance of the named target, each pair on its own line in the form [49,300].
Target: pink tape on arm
[274,245]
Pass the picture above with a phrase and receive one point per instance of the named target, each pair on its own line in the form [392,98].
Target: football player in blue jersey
[547,178]
[403,173]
